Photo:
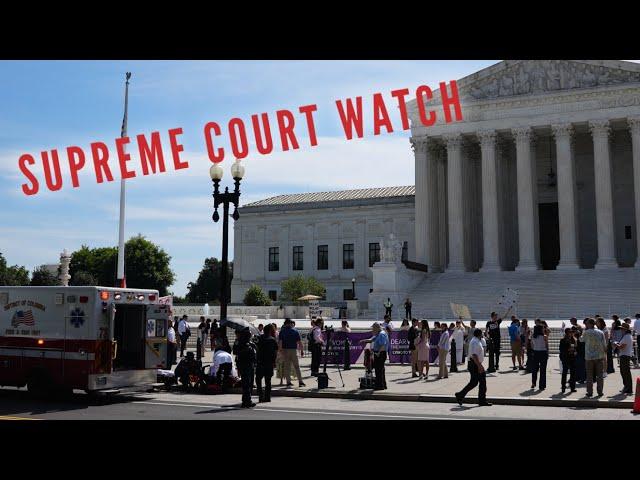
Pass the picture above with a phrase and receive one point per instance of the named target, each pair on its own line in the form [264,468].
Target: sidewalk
[504,387]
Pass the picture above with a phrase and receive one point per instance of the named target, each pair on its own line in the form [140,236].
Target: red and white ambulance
[89,338]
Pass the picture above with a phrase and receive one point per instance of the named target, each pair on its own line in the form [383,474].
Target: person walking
[493,333]
[184,332]
[434,338]
[421,345]
[595,353]
[568,354]
[266,360]
[540,347]
[288,341]
[625,349]
[379,346]
[172,346]
[516,343]
[407,309]
[246,351]
[318,345]
[387,308]
[609,337]
[476,370]
[443,350]
[412,335]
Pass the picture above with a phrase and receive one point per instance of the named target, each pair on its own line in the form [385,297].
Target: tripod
[329,331]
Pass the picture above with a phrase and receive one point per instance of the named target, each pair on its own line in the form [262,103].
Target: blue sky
[47,105]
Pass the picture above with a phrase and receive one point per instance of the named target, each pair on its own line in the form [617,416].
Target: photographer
[318,344]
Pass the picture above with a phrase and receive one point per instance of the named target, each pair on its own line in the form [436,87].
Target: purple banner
[398,353]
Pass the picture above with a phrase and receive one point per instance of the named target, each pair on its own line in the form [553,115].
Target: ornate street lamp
[216,172]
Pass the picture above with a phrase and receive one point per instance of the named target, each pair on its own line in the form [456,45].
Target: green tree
[255,297]
[42,277]
[100,263]
[207,288]
[14,275]
[177,300]
[82,278]
[146,265]
[298,286]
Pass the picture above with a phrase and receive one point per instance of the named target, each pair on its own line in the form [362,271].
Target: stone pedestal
[352,308]
[392,280]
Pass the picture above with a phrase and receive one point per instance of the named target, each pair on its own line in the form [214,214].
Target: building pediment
[529,77]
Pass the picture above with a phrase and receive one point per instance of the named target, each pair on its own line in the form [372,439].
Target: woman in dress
[422,347]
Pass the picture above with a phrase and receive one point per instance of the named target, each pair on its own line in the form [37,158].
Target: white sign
[314,308]
[507,303]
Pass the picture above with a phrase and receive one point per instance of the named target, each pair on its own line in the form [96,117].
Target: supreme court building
[537,188]
[542,173]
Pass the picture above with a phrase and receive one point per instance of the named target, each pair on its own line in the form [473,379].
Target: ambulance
[97,339]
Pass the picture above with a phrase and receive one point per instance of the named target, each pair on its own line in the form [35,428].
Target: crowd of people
[587,351]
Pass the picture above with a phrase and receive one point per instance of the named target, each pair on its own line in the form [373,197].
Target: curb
[407,397]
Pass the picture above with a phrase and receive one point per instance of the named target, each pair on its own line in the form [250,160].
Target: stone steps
[544,294]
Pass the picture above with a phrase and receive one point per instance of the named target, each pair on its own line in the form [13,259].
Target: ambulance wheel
[39,384]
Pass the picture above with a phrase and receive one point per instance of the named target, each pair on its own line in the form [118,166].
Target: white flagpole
[121,281]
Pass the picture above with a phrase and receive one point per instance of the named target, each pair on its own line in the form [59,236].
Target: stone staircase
[546,294]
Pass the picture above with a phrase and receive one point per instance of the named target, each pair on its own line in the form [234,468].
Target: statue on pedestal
[65,260]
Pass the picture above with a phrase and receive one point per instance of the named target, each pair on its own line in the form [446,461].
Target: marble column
[526,201]
[422,180]
[604,194]
[490,232]
[634,126]
[566,197]
[455,203]
[434,206]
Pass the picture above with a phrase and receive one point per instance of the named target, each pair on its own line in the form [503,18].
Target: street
[18,405]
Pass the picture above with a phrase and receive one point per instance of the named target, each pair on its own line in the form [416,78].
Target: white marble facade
[555,139]
[354,217]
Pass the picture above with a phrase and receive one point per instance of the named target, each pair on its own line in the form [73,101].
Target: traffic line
[8,417]
[318,412]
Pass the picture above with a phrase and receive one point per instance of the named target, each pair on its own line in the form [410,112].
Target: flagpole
[121,280]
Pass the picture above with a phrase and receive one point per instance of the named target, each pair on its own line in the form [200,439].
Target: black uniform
[266,358]
[568,354]
[246,351]
[493,327]
[407,310]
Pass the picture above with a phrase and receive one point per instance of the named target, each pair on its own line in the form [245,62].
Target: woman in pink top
[422,347]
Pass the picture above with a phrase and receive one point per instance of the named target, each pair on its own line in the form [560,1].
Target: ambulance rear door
[156,336]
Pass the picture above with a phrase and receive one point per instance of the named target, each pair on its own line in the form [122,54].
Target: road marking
[319,412]
[7,417]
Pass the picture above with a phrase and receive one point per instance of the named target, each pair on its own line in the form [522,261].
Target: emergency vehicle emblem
[77,317]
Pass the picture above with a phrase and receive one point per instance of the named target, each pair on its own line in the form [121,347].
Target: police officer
[246,351]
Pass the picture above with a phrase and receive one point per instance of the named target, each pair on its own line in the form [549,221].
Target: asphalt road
[18,405]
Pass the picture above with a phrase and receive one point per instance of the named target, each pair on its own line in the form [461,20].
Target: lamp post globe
[216,172]
[237,170]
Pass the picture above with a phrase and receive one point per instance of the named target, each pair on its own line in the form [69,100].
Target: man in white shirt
[222,365]
[636,324]
[625,350]
[171,345]
[458,336]
[476,370]
[182,331]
